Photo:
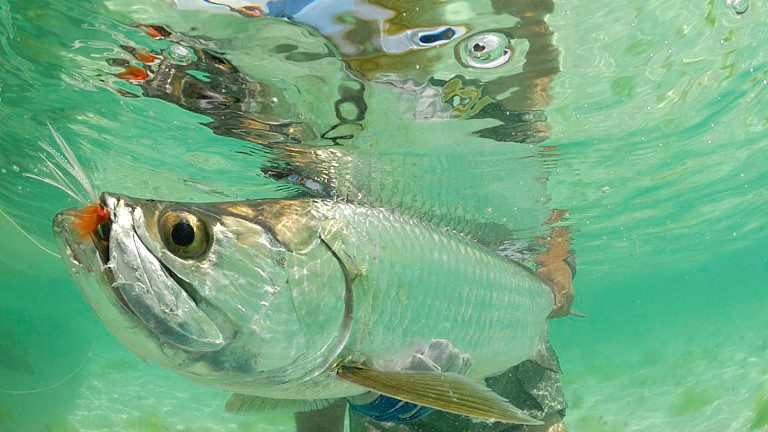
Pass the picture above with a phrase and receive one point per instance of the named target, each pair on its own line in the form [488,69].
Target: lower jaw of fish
[91,266]
[93,260]
[95,279]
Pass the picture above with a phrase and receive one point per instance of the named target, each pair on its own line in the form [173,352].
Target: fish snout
[61,220]
[111,200]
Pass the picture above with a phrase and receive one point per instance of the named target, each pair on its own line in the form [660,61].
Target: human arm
[556,264]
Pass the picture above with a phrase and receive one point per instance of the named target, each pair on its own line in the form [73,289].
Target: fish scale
[427,283]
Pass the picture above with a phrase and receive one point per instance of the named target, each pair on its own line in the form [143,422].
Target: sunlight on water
[645,120]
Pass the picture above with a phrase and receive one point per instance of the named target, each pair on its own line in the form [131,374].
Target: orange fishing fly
[88,218]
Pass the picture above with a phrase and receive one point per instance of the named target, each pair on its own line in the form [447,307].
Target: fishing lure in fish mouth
[87,219]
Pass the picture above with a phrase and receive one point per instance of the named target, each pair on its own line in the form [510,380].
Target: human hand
[556,265]
[560,276]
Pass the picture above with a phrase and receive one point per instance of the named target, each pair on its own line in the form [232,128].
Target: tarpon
[307,299]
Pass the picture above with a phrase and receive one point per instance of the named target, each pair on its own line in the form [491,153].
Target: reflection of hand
[439,356]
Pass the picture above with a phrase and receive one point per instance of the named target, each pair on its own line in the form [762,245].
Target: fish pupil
[182,234]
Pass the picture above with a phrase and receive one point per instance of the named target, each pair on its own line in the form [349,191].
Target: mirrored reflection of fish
[306,299]
[489,205]
[500,196]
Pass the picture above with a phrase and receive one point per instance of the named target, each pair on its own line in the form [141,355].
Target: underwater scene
[380,215]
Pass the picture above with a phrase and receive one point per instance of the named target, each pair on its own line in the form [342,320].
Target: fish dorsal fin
[247,404]
[449,392]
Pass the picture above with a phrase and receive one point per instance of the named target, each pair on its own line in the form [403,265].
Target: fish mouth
[141,291]
[90,253]
[82,256]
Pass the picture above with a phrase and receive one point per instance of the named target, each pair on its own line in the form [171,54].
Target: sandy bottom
[111,393]
[698,377]
[656,371]
[146,398]
[685,381]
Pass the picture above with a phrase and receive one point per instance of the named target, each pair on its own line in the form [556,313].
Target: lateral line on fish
[27,235]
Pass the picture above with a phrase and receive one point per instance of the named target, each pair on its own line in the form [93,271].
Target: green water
[657,122]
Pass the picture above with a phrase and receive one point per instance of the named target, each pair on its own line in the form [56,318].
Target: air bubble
[738,6]
[485,50]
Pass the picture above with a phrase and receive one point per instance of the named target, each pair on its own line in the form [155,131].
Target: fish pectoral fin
[444,391]
[248,404]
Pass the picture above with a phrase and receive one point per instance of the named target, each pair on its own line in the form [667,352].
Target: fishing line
[65,379]
[69,163]
[27,235]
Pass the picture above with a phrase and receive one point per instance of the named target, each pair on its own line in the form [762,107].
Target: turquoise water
[656,145]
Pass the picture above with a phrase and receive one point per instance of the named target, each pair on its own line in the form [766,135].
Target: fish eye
[184,234]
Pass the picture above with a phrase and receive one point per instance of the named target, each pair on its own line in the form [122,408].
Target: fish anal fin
[448,392]
[247,404]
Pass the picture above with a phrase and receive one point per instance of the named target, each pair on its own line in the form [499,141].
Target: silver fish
[306,299]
